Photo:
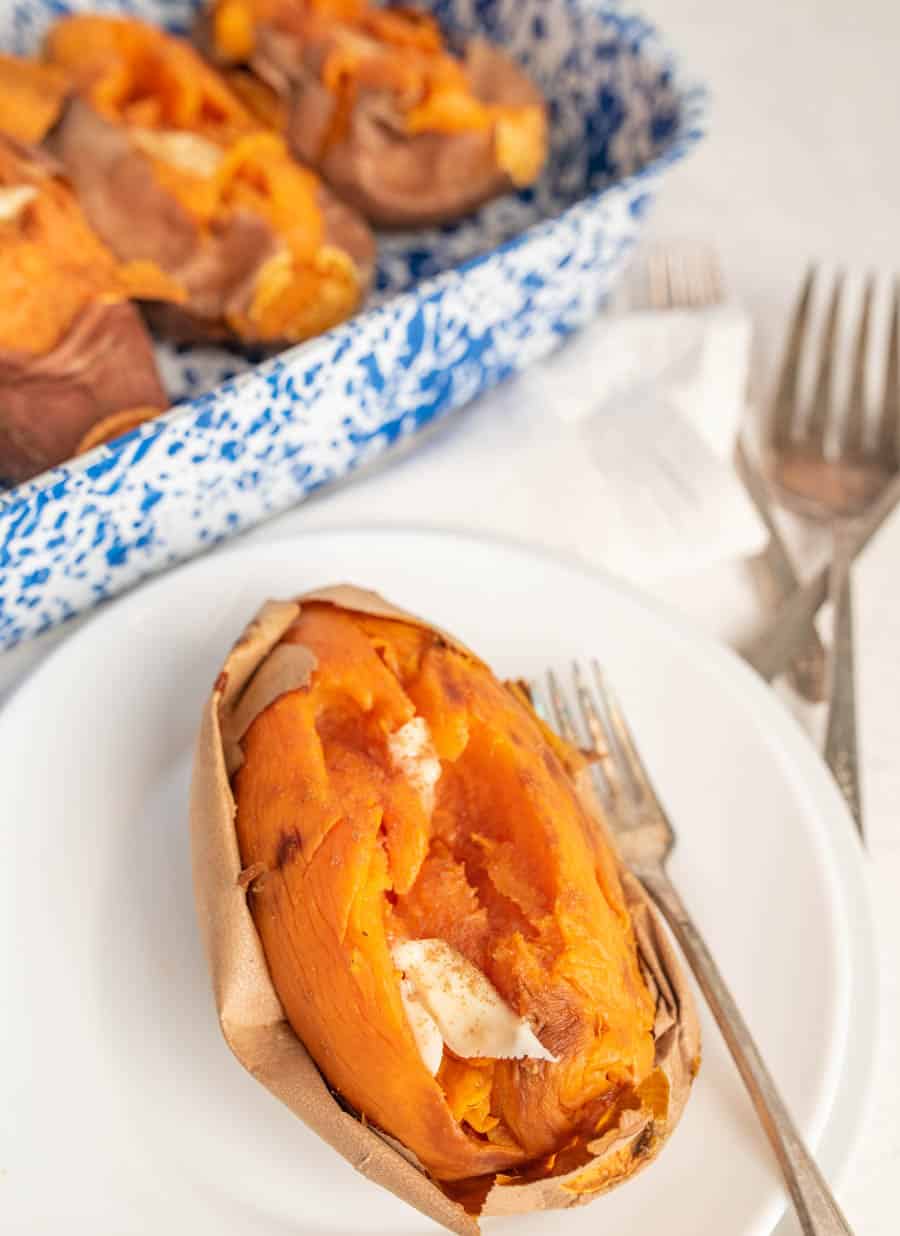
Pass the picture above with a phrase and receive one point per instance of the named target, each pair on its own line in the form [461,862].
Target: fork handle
[808,669]
[840,733]
[816,1208]
[772,650]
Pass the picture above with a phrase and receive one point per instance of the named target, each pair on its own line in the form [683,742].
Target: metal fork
[646,838]
[690,277]
[836,488]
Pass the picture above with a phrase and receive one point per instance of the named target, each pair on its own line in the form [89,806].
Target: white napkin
[651,403]
[696,359]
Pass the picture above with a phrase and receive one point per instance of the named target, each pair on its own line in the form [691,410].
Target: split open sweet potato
[73,350]
[401,872]
[401,127]
[171,167]
[31,97]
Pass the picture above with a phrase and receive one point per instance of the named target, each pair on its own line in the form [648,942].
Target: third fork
[836,488]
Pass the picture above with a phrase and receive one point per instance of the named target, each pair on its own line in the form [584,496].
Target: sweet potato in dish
[402,128]
[113,426]
[444,921]
[171,167]
[31,97]
[136,75]
[72,349]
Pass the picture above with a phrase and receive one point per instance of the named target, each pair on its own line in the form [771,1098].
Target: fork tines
[623,781]
[789,406]
[685,276]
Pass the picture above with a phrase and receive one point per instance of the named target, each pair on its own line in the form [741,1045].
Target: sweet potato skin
[508,870]
[52,264]
[102,365]
[407,133]
[73,350]
[138,75]
[171,168]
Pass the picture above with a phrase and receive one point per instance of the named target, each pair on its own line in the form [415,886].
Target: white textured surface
[799,166]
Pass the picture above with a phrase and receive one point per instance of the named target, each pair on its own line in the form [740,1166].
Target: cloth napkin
[648,405]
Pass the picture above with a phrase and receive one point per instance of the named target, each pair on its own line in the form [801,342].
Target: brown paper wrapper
[255,673]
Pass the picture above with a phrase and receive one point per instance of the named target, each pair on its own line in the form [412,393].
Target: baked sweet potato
[171,168]
[139,76]
[444,924]
[402,128]
[31,97]
[114,426]
[72,349]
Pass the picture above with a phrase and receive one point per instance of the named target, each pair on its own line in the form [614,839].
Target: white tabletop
[800,165]
[797,168]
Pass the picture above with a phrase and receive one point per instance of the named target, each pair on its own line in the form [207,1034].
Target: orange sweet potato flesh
[135,74]
[509,869]
[403,129]
[355,47]
[31,97]
[114,426]
[51,262]
[172,168]
[73,350]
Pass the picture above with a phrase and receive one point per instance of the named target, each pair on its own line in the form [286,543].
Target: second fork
[836,488]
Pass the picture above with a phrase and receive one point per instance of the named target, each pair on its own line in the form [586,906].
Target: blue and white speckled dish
[457,310]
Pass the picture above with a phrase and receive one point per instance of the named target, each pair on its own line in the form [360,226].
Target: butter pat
[187,152]
[462,1005]
[413,753]
[13,201]
[425,1029]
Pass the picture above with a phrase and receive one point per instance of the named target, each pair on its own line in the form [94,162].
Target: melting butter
[425,1029]
[448,1000]
[413,753]
[13,201]
[186,151]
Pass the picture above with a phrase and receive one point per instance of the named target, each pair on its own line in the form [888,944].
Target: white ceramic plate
[121,1110]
